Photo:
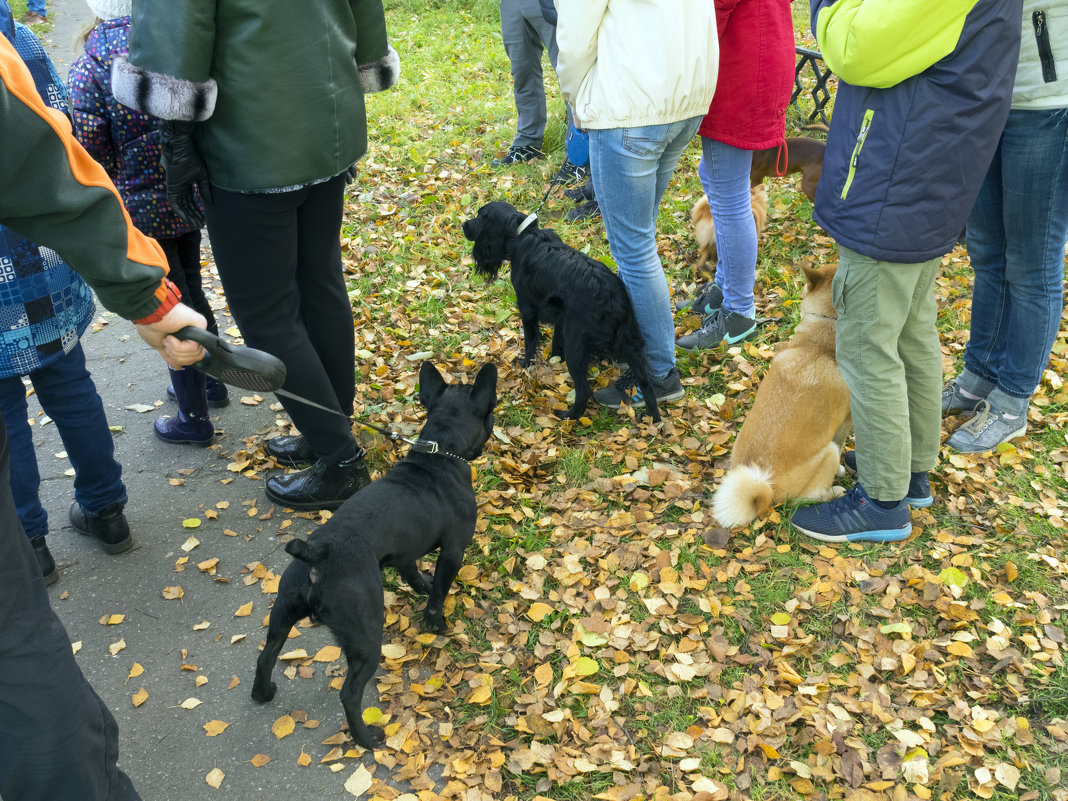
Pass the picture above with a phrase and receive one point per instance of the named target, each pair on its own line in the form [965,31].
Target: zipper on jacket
[855,158]
[1045,51]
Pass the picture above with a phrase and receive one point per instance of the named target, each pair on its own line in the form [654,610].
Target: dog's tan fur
[791,441]
[803,155]
[705,230]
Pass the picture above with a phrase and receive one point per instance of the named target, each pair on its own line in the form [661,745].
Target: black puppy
[425,503]
[584,301]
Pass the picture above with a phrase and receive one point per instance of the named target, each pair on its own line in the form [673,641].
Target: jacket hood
[110,9]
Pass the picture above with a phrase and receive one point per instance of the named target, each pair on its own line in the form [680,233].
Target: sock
[1010,416]
[886,504]
[964,393]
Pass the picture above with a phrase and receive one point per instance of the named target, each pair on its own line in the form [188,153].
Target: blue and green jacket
[923,95]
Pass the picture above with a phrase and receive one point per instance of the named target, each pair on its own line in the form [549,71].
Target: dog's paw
[434,622]
[567,414]
[263,697]
[835,492]
[371,738]
[425,584]
[522,361]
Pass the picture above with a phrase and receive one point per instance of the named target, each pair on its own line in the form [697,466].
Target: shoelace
[983,418]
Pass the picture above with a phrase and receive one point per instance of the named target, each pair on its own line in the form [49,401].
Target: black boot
[191,425]
[290,450]
[321,486]
[45,560]
[109,527]
[218,395]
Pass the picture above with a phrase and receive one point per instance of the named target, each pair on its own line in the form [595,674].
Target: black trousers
[183,259]
[279,258]
[58,741]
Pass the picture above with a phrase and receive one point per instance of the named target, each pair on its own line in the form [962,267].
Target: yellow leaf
[393,651]
[372,715]
[244,610]
[75,647]
[112,620]
[359,782]
[208,564]
[538,611]
[1011,572]
[983,725]
[260,760]
[215,778]
[543,674]
[960,649]
[173,593]
[328,653]
[215,727]
[192,542]
[140,697]
[780,619]
[136,670]
[296,653]
[304,759]
[769,751]
[191,522]
[115,647]
[283,727]
[953,576]
[901,628]
[638,581]
[203,624]
[585,666]
[190,703]
[467,573]
[481,695]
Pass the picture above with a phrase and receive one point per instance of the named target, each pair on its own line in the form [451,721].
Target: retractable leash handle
[244,368]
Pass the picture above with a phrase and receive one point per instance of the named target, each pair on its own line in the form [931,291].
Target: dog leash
[259,371]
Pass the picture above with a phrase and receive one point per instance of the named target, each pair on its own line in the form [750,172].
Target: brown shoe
[32,18]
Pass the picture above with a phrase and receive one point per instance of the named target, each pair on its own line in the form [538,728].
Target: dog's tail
[310,551]
[744,495]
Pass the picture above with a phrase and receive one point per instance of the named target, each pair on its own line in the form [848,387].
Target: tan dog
[803,155]
[791,441]
[705,230]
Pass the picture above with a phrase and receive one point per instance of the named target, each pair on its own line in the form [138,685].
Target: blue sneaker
[722,325]
[919,494]
[853,518]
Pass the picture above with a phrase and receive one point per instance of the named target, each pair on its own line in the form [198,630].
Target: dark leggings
[279,258]
[183,258]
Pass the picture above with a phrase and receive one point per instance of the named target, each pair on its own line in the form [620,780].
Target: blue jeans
[724,173]
[1016,236]
[631,168]
[67,395]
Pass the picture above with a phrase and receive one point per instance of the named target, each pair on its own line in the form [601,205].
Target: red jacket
[756,74]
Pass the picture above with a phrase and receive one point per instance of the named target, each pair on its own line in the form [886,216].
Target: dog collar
[526,223]
[430,446]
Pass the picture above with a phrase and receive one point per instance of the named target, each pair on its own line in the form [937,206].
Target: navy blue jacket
[904,162]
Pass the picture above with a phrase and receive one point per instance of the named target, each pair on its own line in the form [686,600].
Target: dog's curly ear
[491,243]
[484,392]
[431,385]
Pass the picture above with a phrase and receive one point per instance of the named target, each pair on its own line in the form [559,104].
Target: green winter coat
[277,85]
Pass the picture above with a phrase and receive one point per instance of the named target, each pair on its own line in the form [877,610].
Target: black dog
[425,503]
[584,301]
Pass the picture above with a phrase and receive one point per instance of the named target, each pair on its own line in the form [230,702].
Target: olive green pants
[890,357]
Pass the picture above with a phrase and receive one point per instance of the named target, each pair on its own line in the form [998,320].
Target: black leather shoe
[45,560]
[321,486]
[292,450]
[109,527]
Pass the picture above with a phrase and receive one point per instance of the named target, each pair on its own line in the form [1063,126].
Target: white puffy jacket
[628,63]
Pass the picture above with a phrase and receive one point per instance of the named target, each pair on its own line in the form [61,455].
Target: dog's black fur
[585,302]
[425,503]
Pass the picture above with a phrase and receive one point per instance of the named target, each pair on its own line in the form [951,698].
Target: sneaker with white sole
[954,403]
[626,390]
[570,173]
[708,300]
[854,517]
[919,494]
[986,430]
[517,155]
[720,326]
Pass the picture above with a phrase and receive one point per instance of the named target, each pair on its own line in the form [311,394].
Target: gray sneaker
[709,299]
[722,325]
[988,429]
[953,403]
[625,390]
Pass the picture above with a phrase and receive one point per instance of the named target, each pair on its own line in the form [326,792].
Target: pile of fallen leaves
[606,640]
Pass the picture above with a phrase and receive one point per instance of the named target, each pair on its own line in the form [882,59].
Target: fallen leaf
[215,778]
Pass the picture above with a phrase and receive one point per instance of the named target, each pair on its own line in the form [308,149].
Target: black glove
[185,170]
[350,174]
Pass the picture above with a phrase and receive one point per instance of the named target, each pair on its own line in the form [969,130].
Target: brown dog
[791,441]
[803,155]
[705,231]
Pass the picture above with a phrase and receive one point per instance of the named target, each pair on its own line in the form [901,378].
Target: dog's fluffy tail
[744,494]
